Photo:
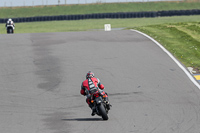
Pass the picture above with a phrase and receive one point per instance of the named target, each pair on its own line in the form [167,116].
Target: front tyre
[10,31]
[102,112]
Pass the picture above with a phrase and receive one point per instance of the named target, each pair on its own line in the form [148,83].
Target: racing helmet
[89,74]
[9,19]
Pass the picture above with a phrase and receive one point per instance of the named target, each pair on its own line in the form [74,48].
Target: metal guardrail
[119,15]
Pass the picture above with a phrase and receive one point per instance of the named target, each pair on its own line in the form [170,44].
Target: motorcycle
[10,28]
[100,102]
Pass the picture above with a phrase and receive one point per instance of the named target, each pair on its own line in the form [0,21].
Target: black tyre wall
[106,15]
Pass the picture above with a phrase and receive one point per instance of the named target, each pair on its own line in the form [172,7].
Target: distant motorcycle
[100,103]
[10,28]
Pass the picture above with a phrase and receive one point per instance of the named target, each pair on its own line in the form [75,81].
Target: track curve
[41,76]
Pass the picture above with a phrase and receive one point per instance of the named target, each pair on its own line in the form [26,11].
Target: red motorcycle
[100,102]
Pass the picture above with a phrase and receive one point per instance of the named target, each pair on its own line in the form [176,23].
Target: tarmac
[41,76]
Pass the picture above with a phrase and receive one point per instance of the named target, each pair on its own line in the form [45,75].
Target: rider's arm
[82,90]
[101,86]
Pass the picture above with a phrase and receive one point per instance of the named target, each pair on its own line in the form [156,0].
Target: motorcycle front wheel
[10,31]
[102,112]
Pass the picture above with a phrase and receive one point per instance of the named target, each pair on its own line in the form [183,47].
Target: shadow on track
[84,119]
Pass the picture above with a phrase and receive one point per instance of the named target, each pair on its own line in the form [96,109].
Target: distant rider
[90,83]
[10,22]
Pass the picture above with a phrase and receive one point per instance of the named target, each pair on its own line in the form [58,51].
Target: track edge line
[172,57]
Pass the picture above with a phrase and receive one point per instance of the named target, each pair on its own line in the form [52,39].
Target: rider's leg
[91,106]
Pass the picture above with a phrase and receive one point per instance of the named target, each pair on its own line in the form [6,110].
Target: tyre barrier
[119,15]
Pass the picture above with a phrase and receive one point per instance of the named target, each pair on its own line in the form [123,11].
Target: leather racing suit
[89,84]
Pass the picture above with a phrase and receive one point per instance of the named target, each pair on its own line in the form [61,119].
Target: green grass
[84,25]
[95,8]
[181,39]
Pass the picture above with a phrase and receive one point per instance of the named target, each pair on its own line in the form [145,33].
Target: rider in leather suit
[90,83]
[10,22]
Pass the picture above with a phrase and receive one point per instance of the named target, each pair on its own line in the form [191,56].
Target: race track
[41,75]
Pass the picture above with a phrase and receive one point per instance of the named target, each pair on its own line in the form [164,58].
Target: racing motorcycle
[10,28]
[100,102]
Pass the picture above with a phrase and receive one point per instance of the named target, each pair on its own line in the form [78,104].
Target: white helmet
[9,19]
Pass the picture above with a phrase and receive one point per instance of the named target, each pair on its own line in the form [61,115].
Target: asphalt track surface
[41,75]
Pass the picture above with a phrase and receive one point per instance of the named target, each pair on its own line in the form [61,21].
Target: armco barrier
[106,15]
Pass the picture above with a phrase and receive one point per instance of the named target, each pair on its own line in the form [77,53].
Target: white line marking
[173,58]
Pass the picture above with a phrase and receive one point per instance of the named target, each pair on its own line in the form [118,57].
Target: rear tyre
[10,31]
[102,112]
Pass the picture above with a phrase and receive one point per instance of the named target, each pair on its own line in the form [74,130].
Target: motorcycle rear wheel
[102,112]
[10,31]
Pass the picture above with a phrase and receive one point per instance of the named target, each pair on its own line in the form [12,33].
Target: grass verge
[15,12]
[181,39]
[84,25]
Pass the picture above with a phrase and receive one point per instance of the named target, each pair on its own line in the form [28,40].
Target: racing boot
[108,105]
[93,109]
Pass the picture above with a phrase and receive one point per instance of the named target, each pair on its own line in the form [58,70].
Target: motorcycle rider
[90,83]
[10,22]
